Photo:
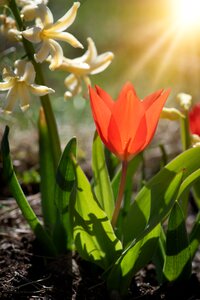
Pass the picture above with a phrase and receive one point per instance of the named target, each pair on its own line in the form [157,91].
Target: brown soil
[26,274]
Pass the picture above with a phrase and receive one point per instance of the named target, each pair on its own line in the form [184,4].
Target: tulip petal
[152,115]
[105,97]
[194,120]
[101,114]
[148,100]
[128,111]
[114,142]
[138,142]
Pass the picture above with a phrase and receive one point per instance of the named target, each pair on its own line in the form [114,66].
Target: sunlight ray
[152,51]
[167,58]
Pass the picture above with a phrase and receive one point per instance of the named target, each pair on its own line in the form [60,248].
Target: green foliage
[22,202]
[94,237]
[194,237]
[177,264]
[132,260]
[47,174]
[155,199]
[101,185]
[65,178]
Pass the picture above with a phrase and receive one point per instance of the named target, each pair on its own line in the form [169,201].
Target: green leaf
[178,260]
[102,185]
[47,175]
[93,234]
[183,195]
[155,199]
[194,237]
[196,193]
[151,205]
[65,179]
[21,200]
[159,256]
[132,260]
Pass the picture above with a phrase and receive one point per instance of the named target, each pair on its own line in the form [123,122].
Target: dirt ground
[26,274]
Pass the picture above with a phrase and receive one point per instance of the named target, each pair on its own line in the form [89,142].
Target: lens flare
[187,14]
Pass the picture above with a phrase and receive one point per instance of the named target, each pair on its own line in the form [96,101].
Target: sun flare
[187,14]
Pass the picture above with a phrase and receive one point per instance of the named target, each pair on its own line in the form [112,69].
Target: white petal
[70,81]
[101,62]
[33,34]
[72,66]
[24,96]
[40,90]
[73,83]
[87,81]
[43,52]
[68,95]
[29,12]
[91,54]
[8,74]
[45,14]
[64,22]
[29,73]
[20,67]
[63,36]
[56,53]
[11,99]
[4,86]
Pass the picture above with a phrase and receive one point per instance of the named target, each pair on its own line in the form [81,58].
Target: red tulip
[126,126]
[194,119]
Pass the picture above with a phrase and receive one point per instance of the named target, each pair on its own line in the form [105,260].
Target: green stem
[45,100]
[120,193]
[185,132]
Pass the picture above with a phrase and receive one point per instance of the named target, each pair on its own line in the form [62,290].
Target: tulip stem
[120,193]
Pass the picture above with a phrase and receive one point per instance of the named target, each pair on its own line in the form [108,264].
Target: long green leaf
[102,185]
[194,236]
[65,179]
[93,234]
[178,260]
[134,259]
[21,200]
[183,195]
[47,174]
[156,198]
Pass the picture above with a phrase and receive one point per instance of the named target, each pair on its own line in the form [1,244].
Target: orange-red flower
[126,126]
[194,119]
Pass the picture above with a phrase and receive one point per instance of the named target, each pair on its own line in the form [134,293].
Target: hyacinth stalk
[45,100]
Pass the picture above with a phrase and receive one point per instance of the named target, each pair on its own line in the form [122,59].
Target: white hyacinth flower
[88,64]
[46,32]
[20,84]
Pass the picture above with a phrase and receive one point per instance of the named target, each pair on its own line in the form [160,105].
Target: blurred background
[156,45]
